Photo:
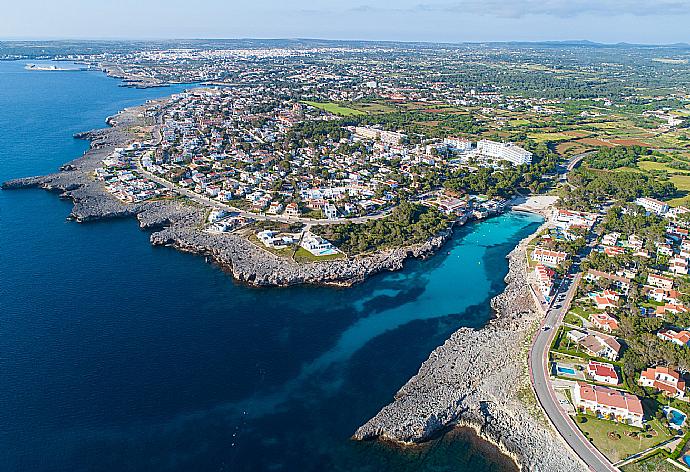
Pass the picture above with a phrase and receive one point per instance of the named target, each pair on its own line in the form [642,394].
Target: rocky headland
[478,378]
[177,222]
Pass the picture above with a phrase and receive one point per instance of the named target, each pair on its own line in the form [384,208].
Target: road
[539,374]
[203,200]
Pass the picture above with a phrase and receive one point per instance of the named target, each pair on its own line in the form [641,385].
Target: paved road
[203,200]
[539,368]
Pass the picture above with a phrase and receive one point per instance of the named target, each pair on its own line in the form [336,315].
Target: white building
[608,403]
[548,257]
[665,380]
[458,144]
[652,205]
[504,151]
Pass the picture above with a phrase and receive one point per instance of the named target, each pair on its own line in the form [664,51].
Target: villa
[665,380]
[621,283]
[602,372]
[681,338]
[604,322]
[317,245]
[608,403]
[596,344]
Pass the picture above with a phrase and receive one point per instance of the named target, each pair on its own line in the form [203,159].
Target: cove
[120,356]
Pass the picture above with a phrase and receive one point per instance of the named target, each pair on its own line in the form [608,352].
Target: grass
[655,463]
[542,137]
[332,107]
[682,182]
[302,255]
[373,108]
[573,319]
[597,431]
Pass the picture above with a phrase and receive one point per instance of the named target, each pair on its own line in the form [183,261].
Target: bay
[118,356]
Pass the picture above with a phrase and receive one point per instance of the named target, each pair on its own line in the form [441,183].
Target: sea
[119,356]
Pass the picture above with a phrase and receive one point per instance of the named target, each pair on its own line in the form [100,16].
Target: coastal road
[539,373]
[208,202]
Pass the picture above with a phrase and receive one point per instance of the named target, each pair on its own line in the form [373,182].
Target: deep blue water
[118,356]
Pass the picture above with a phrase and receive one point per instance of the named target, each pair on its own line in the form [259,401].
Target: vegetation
[618,441]
[589,189]
[407,224]
[613,158]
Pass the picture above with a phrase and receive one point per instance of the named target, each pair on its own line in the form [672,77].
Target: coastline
[479,379]
[433,400]
[175,223]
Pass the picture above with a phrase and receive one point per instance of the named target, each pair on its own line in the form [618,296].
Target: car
[545,328]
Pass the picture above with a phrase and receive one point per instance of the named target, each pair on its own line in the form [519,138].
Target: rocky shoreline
[176,223]
[479,379]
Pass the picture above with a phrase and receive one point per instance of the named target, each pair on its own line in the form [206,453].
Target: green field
[597,431]
[541,137]
[332,107]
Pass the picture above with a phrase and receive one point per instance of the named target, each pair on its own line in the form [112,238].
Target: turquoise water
[566,370]
[119,356]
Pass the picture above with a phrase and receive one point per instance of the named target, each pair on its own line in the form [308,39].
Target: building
[604,322]
[660,281]
[316,245]
[544,277]
[602,372]
[665,380]
[292,210]
[458,144]
[548,257]
[608,403]
[621,283]
[596,344]
[504,151]
[652,205]
[681,338]
[330,211]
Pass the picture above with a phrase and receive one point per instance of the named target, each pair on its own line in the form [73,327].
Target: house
[596,344]
[603,303]
[330,211]
[544,277]
[665,380]
[622,283]
[652,205]
[681,338]
[660,281]
[604,322]
[317,245]
[548,257]
[660,295]
[608,403]
[670,308]
[610,239]
[292,210]
[678,265]
[602,372]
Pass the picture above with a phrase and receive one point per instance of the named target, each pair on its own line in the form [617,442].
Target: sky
[610,21]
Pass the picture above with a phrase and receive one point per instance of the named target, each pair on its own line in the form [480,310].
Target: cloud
[555,8]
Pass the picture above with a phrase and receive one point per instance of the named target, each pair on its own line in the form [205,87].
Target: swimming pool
[686,459]
[565,370]
[676,418]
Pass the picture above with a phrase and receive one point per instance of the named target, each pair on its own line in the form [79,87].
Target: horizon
[582,42]
[435,21]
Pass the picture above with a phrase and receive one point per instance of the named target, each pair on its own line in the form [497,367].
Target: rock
[473,379]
